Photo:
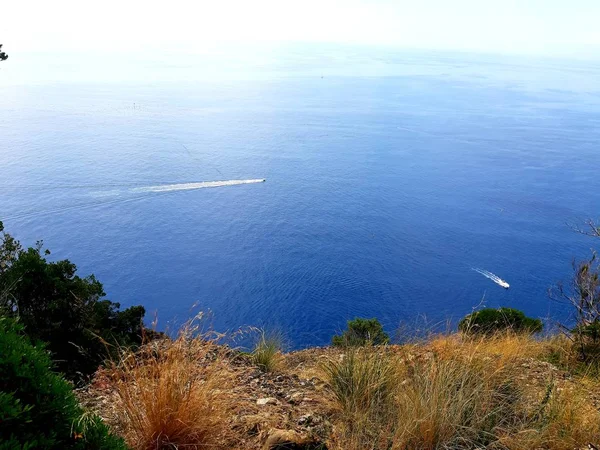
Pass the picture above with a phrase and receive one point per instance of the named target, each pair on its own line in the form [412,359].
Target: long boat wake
[495,278]
[120,193]
[190,186]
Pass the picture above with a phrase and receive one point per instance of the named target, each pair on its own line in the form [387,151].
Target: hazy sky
[549,27]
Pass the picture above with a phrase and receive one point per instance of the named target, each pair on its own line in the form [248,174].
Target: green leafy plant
[361,332]
[37,407]
[490,321]
[66,311]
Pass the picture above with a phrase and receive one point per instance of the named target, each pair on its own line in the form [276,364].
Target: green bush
[38,409]
[62,309]
[490,321]
[361,332]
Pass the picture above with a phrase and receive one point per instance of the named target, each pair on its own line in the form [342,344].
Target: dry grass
[566,354]
[449,403]
[362,383]
[174,394]
[566,420]
[446,392]
[360,378]
[505,347]
[266,354]
[456,393]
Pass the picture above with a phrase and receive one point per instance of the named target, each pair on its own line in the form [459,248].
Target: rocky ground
[291,407]
[287,408]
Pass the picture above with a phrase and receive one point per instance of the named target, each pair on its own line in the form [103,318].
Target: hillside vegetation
[493,384]
[453,391]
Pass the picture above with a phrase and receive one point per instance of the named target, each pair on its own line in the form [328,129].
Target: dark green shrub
[489,321]
[361,332]
[62,309]
[38,409]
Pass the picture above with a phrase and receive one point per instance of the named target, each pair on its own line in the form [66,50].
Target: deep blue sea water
[389,177]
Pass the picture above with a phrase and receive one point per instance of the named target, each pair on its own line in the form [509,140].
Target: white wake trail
[115,196]
[495,278]
[190,186]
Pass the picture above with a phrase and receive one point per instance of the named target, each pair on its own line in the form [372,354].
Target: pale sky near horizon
[545,27]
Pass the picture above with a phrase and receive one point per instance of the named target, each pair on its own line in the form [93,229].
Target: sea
[390,175]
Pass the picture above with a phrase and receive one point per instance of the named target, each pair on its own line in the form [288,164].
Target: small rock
[306,419]
[295,398]
[266,401]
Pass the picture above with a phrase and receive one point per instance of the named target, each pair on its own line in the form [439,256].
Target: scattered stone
[266,401]
[295,398]
[306,419]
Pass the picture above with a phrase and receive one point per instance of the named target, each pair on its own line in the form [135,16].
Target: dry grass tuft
[266,354]
[360,378]
[456,393]
[173,394]
[566,354]
[362,383]
[504,347]
[561,420]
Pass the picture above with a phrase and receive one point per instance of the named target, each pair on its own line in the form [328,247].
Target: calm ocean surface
[389,177]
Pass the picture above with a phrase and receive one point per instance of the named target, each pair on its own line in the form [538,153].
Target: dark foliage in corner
[361,332]
[37,407]
[66,311]
[3,55]
[490,321]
